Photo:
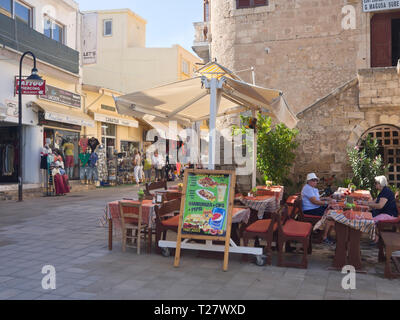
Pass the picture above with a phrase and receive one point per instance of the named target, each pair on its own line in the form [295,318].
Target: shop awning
[116,120]
[68,115]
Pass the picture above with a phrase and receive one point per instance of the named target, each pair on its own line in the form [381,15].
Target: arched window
[388,138]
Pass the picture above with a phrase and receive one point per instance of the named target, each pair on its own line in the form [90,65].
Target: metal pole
[254,177]
[20,140]
[215,99]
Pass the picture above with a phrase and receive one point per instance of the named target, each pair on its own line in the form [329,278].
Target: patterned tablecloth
[277,191]
[364,223]
[341,206]
[261,204]
[148,212]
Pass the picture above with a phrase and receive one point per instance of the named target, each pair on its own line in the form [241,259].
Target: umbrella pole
[215,99]
[254,176]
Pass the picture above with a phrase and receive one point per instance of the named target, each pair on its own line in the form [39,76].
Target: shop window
[107,28]
[53,30]
[128,147]
[240,4]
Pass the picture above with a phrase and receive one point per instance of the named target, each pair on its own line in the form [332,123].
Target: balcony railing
[19,36]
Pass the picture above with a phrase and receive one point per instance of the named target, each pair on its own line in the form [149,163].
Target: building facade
[51,30]
[334,60]
[117,40]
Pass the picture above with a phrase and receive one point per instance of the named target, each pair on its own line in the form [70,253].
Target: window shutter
[260,2]
[243,3]
[381,41]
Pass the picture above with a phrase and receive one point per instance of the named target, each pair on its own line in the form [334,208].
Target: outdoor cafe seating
[265,219]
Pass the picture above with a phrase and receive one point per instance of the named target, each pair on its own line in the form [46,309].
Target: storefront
[119,135]
[62,131]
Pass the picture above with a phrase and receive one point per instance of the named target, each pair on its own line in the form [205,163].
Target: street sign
[380,5]
[30,87]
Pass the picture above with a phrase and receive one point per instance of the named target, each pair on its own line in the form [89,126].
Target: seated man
[313,205]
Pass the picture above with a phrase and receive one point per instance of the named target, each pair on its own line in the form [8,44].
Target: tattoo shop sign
[379,5]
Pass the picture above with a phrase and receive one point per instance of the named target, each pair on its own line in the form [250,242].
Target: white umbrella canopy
[188,101]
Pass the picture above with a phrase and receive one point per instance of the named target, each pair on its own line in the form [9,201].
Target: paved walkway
[65,232]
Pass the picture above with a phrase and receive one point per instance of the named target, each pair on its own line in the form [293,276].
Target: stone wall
[379,87]
[339,120]
[298,47]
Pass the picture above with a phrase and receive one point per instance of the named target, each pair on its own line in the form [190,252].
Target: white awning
[188,101]
[65,114]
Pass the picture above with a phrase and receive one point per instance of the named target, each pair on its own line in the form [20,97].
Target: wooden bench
[391,242]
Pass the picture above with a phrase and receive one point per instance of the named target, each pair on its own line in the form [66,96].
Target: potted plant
[180,187]
[253,192]
[141,195]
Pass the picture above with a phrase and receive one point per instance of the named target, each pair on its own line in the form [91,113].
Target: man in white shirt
[158,164]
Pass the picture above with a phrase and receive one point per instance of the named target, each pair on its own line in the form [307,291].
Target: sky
[168,21]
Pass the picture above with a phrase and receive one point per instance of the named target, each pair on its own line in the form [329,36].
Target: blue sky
[168,21]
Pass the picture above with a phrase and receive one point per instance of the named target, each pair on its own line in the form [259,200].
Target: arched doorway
[388,137]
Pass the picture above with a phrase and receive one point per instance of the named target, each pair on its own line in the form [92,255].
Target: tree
[275,147]
[366,164]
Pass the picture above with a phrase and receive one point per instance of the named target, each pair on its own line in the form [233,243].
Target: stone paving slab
[65,232]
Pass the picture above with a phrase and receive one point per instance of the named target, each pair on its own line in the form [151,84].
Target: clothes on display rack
[83,143]
[61,183]
[93,143]
[7,156]
[102,164]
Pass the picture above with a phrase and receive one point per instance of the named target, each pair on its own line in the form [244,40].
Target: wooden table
[348,235]
[148,214]
[347,247]
[391,242]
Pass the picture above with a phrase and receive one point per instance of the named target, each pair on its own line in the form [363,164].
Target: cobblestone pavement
[65,232]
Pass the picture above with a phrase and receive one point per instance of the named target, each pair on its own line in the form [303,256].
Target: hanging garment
[93,160]
[68,148]
[102,165]
[84,157]
[83,143]
[59,184]
[8,160]
[43,162]
[93,143]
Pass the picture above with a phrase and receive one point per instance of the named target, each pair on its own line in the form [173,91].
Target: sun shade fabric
[167,99]
[65,114]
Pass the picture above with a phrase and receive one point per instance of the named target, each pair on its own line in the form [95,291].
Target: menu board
[206,204]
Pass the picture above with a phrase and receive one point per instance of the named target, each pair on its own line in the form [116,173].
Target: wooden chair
[300,216]
[166,219]
[391,242]
[155,186]
[131,224]
[385,227]
[292,230]
[263,229]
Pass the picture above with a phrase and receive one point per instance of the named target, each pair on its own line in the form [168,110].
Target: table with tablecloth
[277,191]
[261,204]
[114,218]
[348,227]
[341,206]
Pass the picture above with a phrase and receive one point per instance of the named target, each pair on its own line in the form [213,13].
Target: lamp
[34,77]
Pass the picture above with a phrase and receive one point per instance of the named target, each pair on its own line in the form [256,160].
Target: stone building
[333,59]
